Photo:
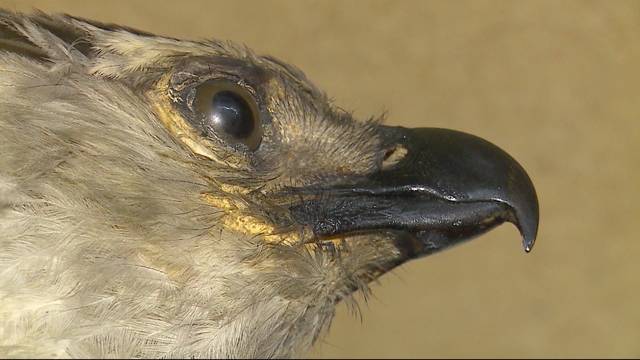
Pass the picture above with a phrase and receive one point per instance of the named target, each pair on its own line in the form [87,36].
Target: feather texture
[106,246]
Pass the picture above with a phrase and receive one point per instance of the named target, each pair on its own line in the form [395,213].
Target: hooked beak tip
[528,245]
[528,227]
[528,241]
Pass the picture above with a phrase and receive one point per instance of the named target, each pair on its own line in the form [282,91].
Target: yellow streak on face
[235,220]
[233,189]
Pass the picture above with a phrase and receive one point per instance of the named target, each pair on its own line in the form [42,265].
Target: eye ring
[228,111]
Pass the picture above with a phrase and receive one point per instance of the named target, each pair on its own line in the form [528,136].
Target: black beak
[449,187]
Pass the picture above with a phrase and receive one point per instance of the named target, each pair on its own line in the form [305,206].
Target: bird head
[217,199]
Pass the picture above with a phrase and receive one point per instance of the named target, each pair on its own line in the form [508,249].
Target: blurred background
[555,83]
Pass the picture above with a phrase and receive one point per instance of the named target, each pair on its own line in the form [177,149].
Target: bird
[163,197]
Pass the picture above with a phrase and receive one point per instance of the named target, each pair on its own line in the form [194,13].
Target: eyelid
[191,98]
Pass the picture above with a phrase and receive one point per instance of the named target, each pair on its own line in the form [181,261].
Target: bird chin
[368,254]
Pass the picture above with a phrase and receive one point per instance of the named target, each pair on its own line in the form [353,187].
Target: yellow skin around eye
[179,127]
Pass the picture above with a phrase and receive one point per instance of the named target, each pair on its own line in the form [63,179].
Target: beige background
[555,83]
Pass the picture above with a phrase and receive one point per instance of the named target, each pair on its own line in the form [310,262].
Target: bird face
[324,181]
[240,202]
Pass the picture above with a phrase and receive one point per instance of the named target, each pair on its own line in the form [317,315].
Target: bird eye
[229,111]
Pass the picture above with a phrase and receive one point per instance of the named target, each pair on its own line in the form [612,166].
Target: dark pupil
[232,113]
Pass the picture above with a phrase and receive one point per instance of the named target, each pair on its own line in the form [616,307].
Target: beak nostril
[389,153]
[393,156]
